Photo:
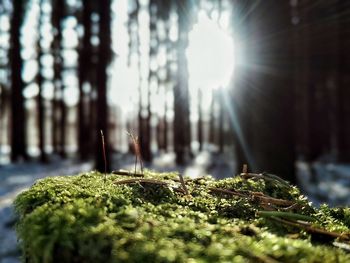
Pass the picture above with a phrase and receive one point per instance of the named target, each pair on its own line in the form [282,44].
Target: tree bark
[182,131]
[18,123]
[85,55]
[104,56]
[57,103]
[39,80]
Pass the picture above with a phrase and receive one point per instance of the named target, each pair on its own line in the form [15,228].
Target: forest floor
[19,177]
[321,182]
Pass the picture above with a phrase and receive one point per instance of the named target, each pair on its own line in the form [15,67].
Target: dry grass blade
[183,184]
[104,154]
[137,149]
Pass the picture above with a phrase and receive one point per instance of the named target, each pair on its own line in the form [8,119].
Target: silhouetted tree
[39,80]
[18,121]
[221,121]
[104,57]
[343,92]
[200,120]
[182,131]
[85,56]
[273,94]
[58,105]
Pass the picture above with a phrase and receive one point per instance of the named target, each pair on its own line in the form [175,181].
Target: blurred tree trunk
[273,94]
[239,111]
[343,138]
[301,45]
[200,121]
[85,55]
[145,136]
[212,119]
[39,80]
[221,121]
[182,131]
[104,57]
[18,123]
[58,108]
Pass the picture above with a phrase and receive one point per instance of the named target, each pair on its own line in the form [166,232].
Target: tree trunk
[200,121]
[273,94]
[343,137]
[57,103]
[104,56]
[39,80]
[182,131]
[18,123]
[84,71]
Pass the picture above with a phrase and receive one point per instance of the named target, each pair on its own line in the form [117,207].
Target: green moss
[84,219]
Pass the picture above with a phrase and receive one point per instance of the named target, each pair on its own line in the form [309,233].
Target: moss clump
[84,218]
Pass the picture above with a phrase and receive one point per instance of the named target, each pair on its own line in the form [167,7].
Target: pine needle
[104,154]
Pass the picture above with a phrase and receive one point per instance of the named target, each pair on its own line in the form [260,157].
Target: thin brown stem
[183,184]
[140,180]
[127,173]
[104,154]
[311,229]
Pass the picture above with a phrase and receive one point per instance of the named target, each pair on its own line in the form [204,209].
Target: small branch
[255,195]
[140,180]
[127,173]
[271,200]
[310,229]
[225,191]
[148,181]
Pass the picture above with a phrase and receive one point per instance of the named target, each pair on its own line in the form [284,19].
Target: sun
[210,55]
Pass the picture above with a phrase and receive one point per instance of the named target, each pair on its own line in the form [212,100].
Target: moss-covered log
[255,218]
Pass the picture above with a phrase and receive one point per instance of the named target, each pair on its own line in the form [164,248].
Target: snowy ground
[320,182]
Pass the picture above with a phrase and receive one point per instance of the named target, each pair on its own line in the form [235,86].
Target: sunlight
[210,55]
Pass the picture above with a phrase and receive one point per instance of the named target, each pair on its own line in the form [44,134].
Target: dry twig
[314,230]
[127,173]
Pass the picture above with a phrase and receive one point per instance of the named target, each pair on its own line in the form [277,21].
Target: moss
[84,219]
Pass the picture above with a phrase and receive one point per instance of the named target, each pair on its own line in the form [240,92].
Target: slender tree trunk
[200,121]
[343,137]
[39,80]
[182,130]
[18,123]
[104,56]
[212,119]
[84,69]
[221,122]
[165,126]
[57,105]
